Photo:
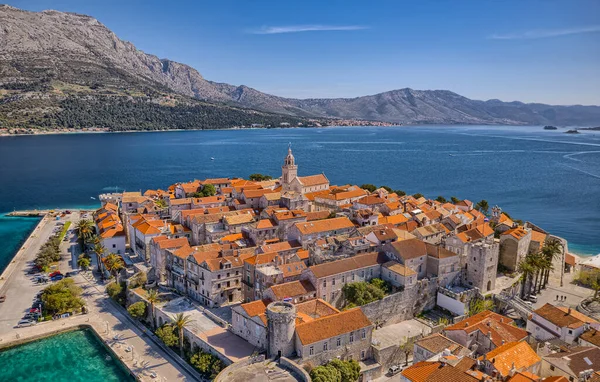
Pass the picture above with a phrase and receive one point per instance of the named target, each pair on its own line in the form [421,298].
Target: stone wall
[403,305]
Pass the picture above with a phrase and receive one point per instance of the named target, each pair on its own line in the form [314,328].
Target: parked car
[57,278]
[42,279]
[71,274]
[25,323]
[31,316]
[394,370]
[55,273]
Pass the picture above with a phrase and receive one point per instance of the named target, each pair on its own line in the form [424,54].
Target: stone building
[291,182]
[480,264]
[514,246]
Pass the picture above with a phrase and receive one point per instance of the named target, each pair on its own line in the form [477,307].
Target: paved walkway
[147,360]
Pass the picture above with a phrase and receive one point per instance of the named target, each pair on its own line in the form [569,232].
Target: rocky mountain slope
[53,55]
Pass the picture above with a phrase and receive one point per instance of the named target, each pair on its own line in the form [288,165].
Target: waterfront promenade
[137,351]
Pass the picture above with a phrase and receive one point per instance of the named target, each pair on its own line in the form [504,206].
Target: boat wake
[581,171]
[570,156]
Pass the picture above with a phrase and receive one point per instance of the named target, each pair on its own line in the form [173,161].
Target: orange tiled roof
[538,236]
[317,215]
[489,323]
[255,308]
[313,180]
[349,264]
[331,326]
[517,232]
[324,225]
[292,269]
[519,354]
[292,289]
[420,371]
[563,317]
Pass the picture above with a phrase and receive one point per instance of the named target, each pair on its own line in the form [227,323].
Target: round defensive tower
[281,321]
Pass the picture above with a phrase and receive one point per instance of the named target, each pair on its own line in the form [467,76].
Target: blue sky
[533,51]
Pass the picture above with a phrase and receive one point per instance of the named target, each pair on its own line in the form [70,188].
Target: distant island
[550,128]
[597,128]
[572,131]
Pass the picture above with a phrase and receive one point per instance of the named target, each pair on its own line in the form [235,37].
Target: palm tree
[99,250]
[181,321]
[526,269]
[83,262]
[114,264]
[483,206]
[152,299]
[85,229]
[552,250]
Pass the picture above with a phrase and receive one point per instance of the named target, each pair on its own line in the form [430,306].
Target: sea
[547,177]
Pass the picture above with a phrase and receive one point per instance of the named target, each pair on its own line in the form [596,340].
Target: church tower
[289,170]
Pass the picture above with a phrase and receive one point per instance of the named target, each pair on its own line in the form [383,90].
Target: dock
[28,213]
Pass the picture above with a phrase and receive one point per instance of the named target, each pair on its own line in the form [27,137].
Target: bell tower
[289,170]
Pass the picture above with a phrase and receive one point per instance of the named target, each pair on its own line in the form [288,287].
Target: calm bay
[547,177]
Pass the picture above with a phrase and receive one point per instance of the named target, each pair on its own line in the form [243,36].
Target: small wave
[581,171]
[570,156]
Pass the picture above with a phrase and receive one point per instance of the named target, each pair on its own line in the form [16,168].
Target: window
[324,297]
[325,346]
[362,354]
[570,332]
[352,276]
[343,278]
[338,342]
[311,350]
[218,276]
[324,283]
[363,334]
[333,281]
[114,246]
[362,273]
[551,368]
[351,337]
[227,274]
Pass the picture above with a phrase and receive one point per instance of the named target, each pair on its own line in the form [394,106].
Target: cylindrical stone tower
[281,321]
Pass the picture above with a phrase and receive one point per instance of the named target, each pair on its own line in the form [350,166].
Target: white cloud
[546,33]
[306,28]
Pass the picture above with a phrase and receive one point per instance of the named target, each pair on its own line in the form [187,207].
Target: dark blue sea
[547,177]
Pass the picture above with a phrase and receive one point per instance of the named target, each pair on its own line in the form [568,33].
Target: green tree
[400,192]
[153,298]
[381,284]
[99,250]
[62,297]
[361,293]
[369,187]
[325,374]
[85,230]
[137,310]
[417,195]
[349,370]
[454,199]
[216,368]
[181,321]
[208,190]
[259,177]
[478,305]
[388,189]
[552,250]
[202,361]
[407,348]
[160,203]
[441,199]
[83,262]
[166,334]
[114,290]
[483,206]
[114,264]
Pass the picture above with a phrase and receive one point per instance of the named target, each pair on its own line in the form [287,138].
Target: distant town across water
[543,176]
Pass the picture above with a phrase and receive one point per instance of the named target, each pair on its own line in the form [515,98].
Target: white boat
[211,158]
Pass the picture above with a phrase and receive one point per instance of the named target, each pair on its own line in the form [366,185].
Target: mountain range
[54,65]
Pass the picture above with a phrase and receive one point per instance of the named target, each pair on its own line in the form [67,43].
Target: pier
[29,213]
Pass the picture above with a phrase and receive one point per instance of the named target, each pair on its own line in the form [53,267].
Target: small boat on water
[211,158]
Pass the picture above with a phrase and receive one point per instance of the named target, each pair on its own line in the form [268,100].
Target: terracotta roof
[201,256]
[312,309]
[313,180]
[489,323]
[438,252]
[393,219]
[437,343]
[410,249]
[347,265]
[272,196]
[292,289]
[324,225]
[575,359]
[149,227]
[479,232]
[214,264]
[331,326]
[317,215]
[517,232]
[264,224]
[262,258]
[255,308]
[563,317]
[231,237]
[173,243]
[238,219]
[251,194]
[432,229]
[517,354]
[538,236]
[524,377]
[420,371]
[292,269]
[337,194]
[370,200]
[209,200]
[570,259]
[277,247]
[177,202]
[398,268]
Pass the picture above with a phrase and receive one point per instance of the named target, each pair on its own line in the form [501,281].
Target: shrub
[325,374]
[361,293]
[417,195]
[369,187]
[167,335]
[114,290]
[62,297]
[137,310]
[207,364]
[349,370]
[381,284]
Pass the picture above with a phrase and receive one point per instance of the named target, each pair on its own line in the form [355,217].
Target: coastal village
[292,278]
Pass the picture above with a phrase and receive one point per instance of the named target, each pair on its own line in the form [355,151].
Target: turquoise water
[547,177]
[13,231]
[72,356]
